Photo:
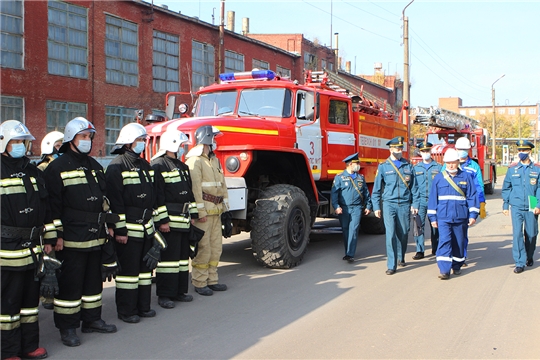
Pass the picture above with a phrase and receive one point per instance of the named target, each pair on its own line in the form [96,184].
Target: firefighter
[350,199]
[49,151]
[76,184]
[49,148]
[173,188]
[519,188]
[424,172]
[393,188]
[210,193]
[130,180]
[25,218]
[453,207]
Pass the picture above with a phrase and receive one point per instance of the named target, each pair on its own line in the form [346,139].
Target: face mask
[17,150]
[523,156]
[425,156]
[181,152]
[453,171]
[139,147]
[397,154]
[213,147]
[355,168]
[463,154]
[85,146]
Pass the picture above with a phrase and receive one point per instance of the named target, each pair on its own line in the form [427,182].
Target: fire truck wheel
[280,227]
[371,224]
[489,188]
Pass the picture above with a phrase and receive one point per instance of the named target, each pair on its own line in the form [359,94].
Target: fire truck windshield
[216,103]
[443,138]
[265,102]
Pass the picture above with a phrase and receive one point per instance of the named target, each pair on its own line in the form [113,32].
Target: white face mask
[213,147]
[453,171]
[355,168]
[139,147]
[84,146]
[181,152]
[425,156]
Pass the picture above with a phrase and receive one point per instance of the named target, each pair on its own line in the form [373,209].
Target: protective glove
[109,261]
[482,210]
[49,284]
[153,256]
[195,235]
[226,224]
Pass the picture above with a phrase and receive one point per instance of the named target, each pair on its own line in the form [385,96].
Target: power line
[356,7]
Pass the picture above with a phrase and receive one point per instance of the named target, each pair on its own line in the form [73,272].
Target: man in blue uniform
[350,198]
[393,188]
[520,185]
[424,172]
[452,207]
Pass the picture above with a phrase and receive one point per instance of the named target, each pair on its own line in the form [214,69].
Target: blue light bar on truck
[248,75]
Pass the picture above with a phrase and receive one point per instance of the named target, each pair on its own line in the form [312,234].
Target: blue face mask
[84,146]
[463,154]
[17,150]
[180,152]
[523,156]
[139,147]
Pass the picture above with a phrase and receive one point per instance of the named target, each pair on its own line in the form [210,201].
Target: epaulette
[513,164]
[537,164]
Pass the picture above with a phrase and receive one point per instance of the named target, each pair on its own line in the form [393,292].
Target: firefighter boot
[69,337]
[39,353]
[98,326]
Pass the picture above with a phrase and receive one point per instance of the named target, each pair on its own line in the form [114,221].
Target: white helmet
[129,133]
[451,155]
[73,127]
[47,144]
[463,143]
[13,130]
[171,140]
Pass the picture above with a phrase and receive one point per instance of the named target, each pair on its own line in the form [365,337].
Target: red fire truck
[282,145]
[444,127]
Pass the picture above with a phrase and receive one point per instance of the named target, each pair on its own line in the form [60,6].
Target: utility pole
[406,95]
[221,52]
[494,118]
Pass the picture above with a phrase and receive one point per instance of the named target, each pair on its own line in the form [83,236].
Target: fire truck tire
[280,227]
[371,224]
[490,187]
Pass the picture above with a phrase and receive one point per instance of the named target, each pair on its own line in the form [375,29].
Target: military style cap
[425,146]
[396,142]
[524,145]
[351,158]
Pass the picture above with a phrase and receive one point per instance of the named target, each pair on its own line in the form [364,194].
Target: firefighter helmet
[73,127]
[47,144]
[206,134]
[130,133]
[451,155]
[171,140]
[13,130]
[463,143]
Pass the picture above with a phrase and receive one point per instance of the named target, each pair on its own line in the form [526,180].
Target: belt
[177,207]
[12,232]
[91,217]
[141,214]
[212,198]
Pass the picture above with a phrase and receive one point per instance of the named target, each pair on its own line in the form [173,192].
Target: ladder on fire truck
[367,102]
[442,118]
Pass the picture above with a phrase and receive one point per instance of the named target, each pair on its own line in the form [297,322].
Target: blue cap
[396,142]
[423,146]
[524,145]
[351,158]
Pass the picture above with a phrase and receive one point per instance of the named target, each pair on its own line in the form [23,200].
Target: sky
[457,48]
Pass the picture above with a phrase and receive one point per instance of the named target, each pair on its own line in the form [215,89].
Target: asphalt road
[329,309]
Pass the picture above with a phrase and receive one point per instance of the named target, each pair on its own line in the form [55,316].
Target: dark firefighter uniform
[350,193]
[423,178]
[25,215]
[173,188]
[130,184]
[520,183]
[76,183]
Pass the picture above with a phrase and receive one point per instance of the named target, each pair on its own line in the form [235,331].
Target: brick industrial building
[105,59]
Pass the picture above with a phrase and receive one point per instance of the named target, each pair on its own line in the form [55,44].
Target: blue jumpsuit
[352,200]
[520,182]
[423,178]
[395,197]
[452,212]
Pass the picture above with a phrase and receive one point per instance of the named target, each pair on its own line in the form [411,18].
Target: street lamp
[493,123]
[519,113]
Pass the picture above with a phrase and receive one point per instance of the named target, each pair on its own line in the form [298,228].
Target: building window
[482,111]
[261,65]
[532,111]
[234,62]
[511,111]
[472,112]
[338,112]
[166,60]
[502,111]
[331,66]
[522,111]
[323,64]
[60,112]
[202,62]
[283,72]
[121,61]
[310,61]
[12,108]
[463,112]
[68,40]
[115,119]
[11,29]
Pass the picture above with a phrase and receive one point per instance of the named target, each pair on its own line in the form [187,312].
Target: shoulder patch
[515,164]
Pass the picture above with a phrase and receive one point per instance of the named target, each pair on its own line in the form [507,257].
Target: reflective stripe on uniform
[67,306]
[444,258]
[179,222]
[160,213]
[168,267]
[18,258]
[200,266]
[145,279]
[451,197]
[8,322]
[138,230]
[200,205]
[29,315]
[131,177]
[84,244]
[12,186]
[432,212]
[75,177]
[458,259]
[210,183]
[127,282]
[122,222]
[171,177]
[473,209]
[91,301]
[193,208]
[213,263]
[184,265]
